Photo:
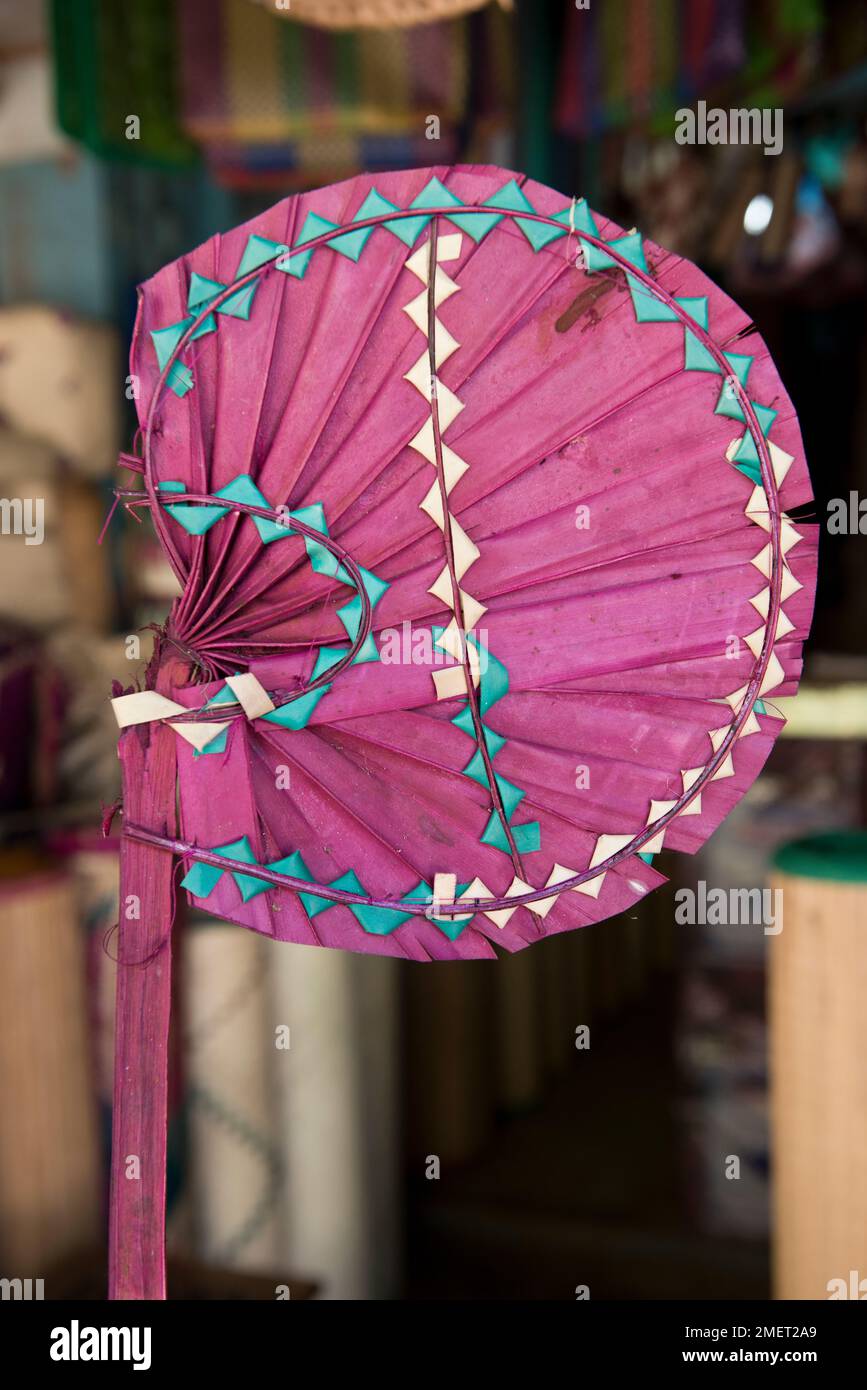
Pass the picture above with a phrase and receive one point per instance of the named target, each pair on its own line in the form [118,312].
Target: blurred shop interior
[559,1166]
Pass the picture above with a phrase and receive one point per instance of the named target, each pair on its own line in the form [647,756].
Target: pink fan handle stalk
[151,842]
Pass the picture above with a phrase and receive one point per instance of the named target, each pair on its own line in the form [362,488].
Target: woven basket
[374,14]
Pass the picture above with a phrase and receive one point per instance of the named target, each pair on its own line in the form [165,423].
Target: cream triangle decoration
[774,675]
[251,695]
[199,735]
[781,462]
[433,505]
[444,886]
[448,405]
[451,684]
[789,536]
[448,249]
[606,846]
[143,706]
[757,508]
[763,561]
[502,914]
[756,640]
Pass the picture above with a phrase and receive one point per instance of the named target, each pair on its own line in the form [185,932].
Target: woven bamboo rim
[375,14]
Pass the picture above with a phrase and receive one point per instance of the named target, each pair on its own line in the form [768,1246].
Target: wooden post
[144,982]
[818,988]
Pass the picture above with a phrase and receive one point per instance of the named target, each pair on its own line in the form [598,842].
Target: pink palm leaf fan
[477,505]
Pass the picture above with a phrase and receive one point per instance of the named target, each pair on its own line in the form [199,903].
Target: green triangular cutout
[238,305]
[649,309]
[296,714]
[258,251]
[696,357]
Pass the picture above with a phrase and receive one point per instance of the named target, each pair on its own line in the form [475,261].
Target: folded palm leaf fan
[477,506]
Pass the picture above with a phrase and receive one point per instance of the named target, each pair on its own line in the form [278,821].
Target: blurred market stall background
[435,1133]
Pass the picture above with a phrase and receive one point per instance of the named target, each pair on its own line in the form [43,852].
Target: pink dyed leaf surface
[615,560]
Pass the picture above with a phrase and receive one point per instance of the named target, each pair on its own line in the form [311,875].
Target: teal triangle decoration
[295,264]
[493,741]
[165,340]
[728,403]
[296,714]
[243,489]
[494,678]
[325,659]
[433,195]
[223,697]
[375,586]
[512,197]
[581,219]
[527,837]
[631,248]
[379,921]
[476,769]
[202,879]
[313,516]
[698,358]
[321,559]
[476,223]
[242,849]
[314,226]
[238,305]
[765,416]
[202,291]
[746,451]
[740,364]
[512,796]
[294,866]
[199,295]
[180,379]
[350,616]
[759,707]
[353,243]
[595,258]
[258,251]
[171,486]
[696,307]
[373,206]
[648,858]
[464,720]
[216,745]
[197,520]
[649,309]
[750,470]
[368,651]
